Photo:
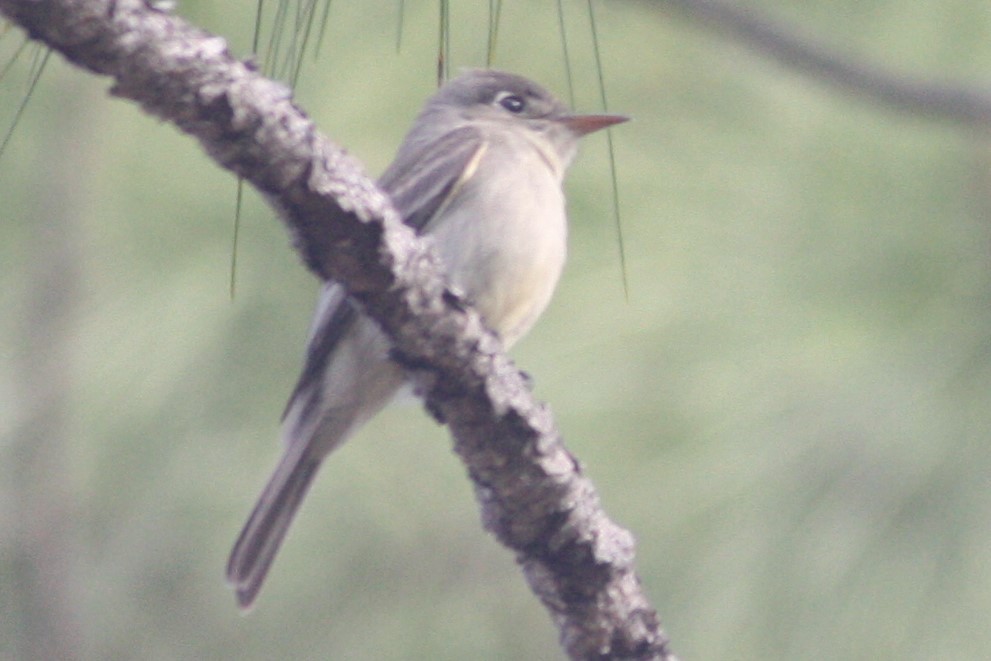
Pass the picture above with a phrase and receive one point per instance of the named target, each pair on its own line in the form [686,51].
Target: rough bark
[532,492]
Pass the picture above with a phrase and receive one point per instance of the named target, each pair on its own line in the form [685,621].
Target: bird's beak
[585,124]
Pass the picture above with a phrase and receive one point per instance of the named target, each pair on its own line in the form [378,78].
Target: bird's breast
[504,238]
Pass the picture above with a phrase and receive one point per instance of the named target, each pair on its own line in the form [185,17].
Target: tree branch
[533,495]
[788,46]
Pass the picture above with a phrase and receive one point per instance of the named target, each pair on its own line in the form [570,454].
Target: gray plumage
[480,171]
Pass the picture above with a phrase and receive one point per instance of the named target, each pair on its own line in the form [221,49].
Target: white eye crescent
[514,103]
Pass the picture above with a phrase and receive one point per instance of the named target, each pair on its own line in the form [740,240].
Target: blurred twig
[799,51]
[533,495]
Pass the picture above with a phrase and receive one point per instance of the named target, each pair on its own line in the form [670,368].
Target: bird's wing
[419,193]
[442,167]
[331,320]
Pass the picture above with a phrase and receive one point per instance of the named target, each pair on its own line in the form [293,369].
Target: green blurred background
[791,410]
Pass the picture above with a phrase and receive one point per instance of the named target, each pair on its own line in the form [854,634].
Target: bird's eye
[513,103]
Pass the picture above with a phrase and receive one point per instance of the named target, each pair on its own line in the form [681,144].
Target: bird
[481,172]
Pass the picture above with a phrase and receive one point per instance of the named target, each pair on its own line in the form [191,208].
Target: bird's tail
[262,535]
